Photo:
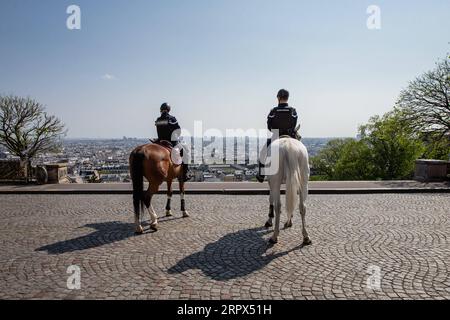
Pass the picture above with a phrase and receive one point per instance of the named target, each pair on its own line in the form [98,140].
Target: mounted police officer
[282,118]
[168,129]
[166,125]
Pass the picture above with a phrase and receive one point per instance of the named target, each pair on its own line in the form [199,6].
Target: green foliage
[385,151]
[314,178]
[325,162]
[436,148]
[393,147]
[355,162]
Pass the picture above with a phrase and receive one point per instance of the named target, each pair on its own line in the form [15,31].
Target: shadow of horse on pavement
[233,256]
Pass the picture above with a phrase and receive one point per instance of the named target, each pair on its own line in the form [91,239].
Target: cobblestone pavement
[221,252]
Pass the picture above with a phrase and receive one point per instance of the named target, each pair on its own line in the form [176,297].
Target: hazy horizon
[195,137]
[220,62]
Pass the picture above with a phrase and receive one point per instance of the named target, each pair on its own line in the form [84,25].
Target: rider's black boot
[259,176]
[186,173]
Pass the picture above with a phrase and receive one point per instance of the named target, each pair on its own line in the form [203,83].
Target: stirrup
[260,177]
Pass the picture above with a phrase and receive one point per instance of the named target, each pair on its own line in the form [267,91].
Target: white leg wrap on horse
[153,215]
[183,206]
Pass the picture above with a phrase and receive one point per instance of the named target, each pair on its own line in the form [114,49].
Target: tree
[386,151]
[344,159]
[324,163]
[26,129]
[425,103]
[355,162]
[392,146]
[436,149]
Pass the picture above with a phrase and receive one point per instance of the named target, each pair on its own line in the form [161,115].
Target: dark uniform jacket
[284,118]
[165,126]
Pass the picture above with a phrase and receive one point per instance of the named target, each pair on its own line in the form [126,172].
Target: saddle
[163,143]
[297,137]
[176,153]
[296,134]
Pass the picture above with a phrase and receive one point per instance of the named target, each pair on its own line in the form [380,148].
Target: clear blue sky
[217,61]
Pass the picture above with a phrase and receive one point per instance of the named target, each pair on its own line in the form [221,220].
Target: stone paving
[222,252]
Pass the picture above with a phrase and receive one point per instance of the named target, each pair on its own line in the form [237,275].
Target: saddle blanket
[175,155]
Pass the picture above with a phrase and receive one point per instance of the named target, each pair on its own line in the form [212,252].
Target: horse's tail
[137,177]
[296,169]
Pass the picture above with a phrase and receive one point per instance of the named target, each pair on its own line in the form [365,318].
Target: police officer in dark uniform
[166,125]
[169,130]
[282,118]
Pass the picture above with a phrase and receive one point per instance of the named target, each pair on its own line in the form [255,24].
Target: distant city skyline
[220,62]
[107,160]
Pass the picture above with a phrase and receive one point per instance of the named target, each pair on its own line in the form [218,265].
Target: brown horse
[154,162]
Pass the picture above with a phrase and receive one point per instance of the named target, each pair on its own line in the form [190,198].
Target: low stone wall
[57,173]
[12,170]
[431,170]
[15,171]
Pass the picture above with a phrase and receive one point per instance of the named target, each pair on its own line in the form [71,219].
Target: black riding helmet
[165,107]
[283,94]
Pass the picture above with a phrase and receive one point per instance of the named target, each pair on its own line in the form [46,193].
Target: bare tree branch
[26,129]
[425,102]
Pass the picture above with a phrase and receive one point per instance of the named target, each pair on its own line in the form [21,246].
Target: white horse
[294,171]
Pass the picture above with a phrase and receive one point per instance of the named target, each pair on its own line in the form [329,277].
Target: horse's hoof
[154,227]
[139,230]
[268,225]
[186,214]
[307,242]
[169,213]
[288,225]
[273,241]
